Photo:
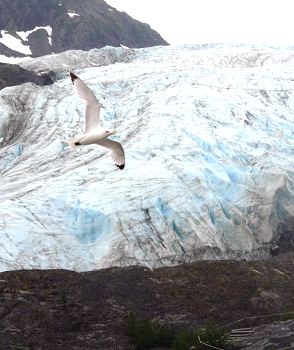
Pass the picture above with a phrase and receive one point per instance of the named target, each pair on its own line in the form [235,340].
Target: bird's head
[108,132]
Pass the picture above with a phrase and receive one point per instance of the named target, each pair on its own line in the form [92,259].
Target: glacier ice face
[62,63]
[208,136]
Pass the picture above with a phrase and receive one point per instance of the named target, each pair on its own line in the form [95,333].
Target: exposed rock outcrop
[53,26]
[11,75]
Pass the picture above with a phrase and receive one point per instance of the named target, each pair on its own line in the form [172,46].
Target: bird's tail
[73,142]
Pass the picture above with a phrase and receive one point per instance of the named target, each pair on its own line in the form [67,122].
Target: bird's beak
[112,133]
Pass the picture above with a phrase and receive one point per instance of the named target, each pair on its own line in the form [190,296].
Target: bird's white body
[93,133]
[91,137]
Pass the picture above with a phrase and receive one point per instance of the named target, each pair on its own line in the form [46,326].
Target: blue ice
[212,178]
[206,146]
[16,152]
[224,149]
[209,158]
[165,210]
[225,208]
[212,215]
[171,217]
[177,230]
[87,225]
[7,160]
[61,149]
[109,114]
[234,174]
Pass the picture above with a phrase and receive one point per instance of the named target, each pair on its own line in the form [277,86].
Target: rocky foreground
[60,309]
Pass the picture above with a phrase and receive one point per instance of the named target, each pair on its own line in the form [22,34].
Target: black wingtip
[73,77]
[120,166]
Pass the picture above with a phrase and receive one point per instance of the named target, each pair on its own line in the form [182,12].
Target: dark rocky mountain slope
[11,74]
[59,309]
[75,24]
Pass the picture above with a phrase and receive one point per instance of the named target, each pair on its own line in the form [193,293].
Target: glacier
[208,136]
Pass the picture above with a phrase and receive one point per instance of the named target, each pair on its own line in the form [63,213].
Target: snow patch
[14,43]
[13,60]
[72,14]
[125,47]
[24,35]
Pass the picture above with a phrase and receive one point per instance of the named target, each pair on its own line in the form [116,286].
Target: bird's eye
[107,132]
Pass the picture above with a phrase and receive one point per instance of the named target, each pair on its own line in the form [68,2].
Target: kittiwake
[93,133]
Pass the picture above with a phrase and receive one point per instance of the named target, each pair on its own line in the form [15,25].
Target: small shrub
[211,335]
[214,335]
[266,286]
[288,316]
[184,339]
[63,297]
[146,334]
[271,347]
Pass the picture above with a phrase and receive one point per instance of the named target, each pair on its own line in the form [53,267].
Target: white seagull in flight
[93,134]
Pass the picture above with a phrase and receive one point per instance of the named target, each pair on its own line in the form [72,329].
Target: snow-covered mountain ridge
[34,28]
[208,136]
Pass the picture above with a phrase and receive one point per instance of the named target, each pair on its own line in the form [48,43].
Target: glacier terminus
[208,138]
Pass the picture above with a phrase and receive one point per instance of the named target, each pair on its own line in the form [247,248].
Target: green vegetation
[139,30]
[70,24]
[288,316]
[266,286]
[147,334]
[63,297]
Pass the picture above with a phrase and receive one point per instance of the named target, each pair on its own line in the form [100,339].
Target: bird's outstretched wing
[92,105]
[116,154]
